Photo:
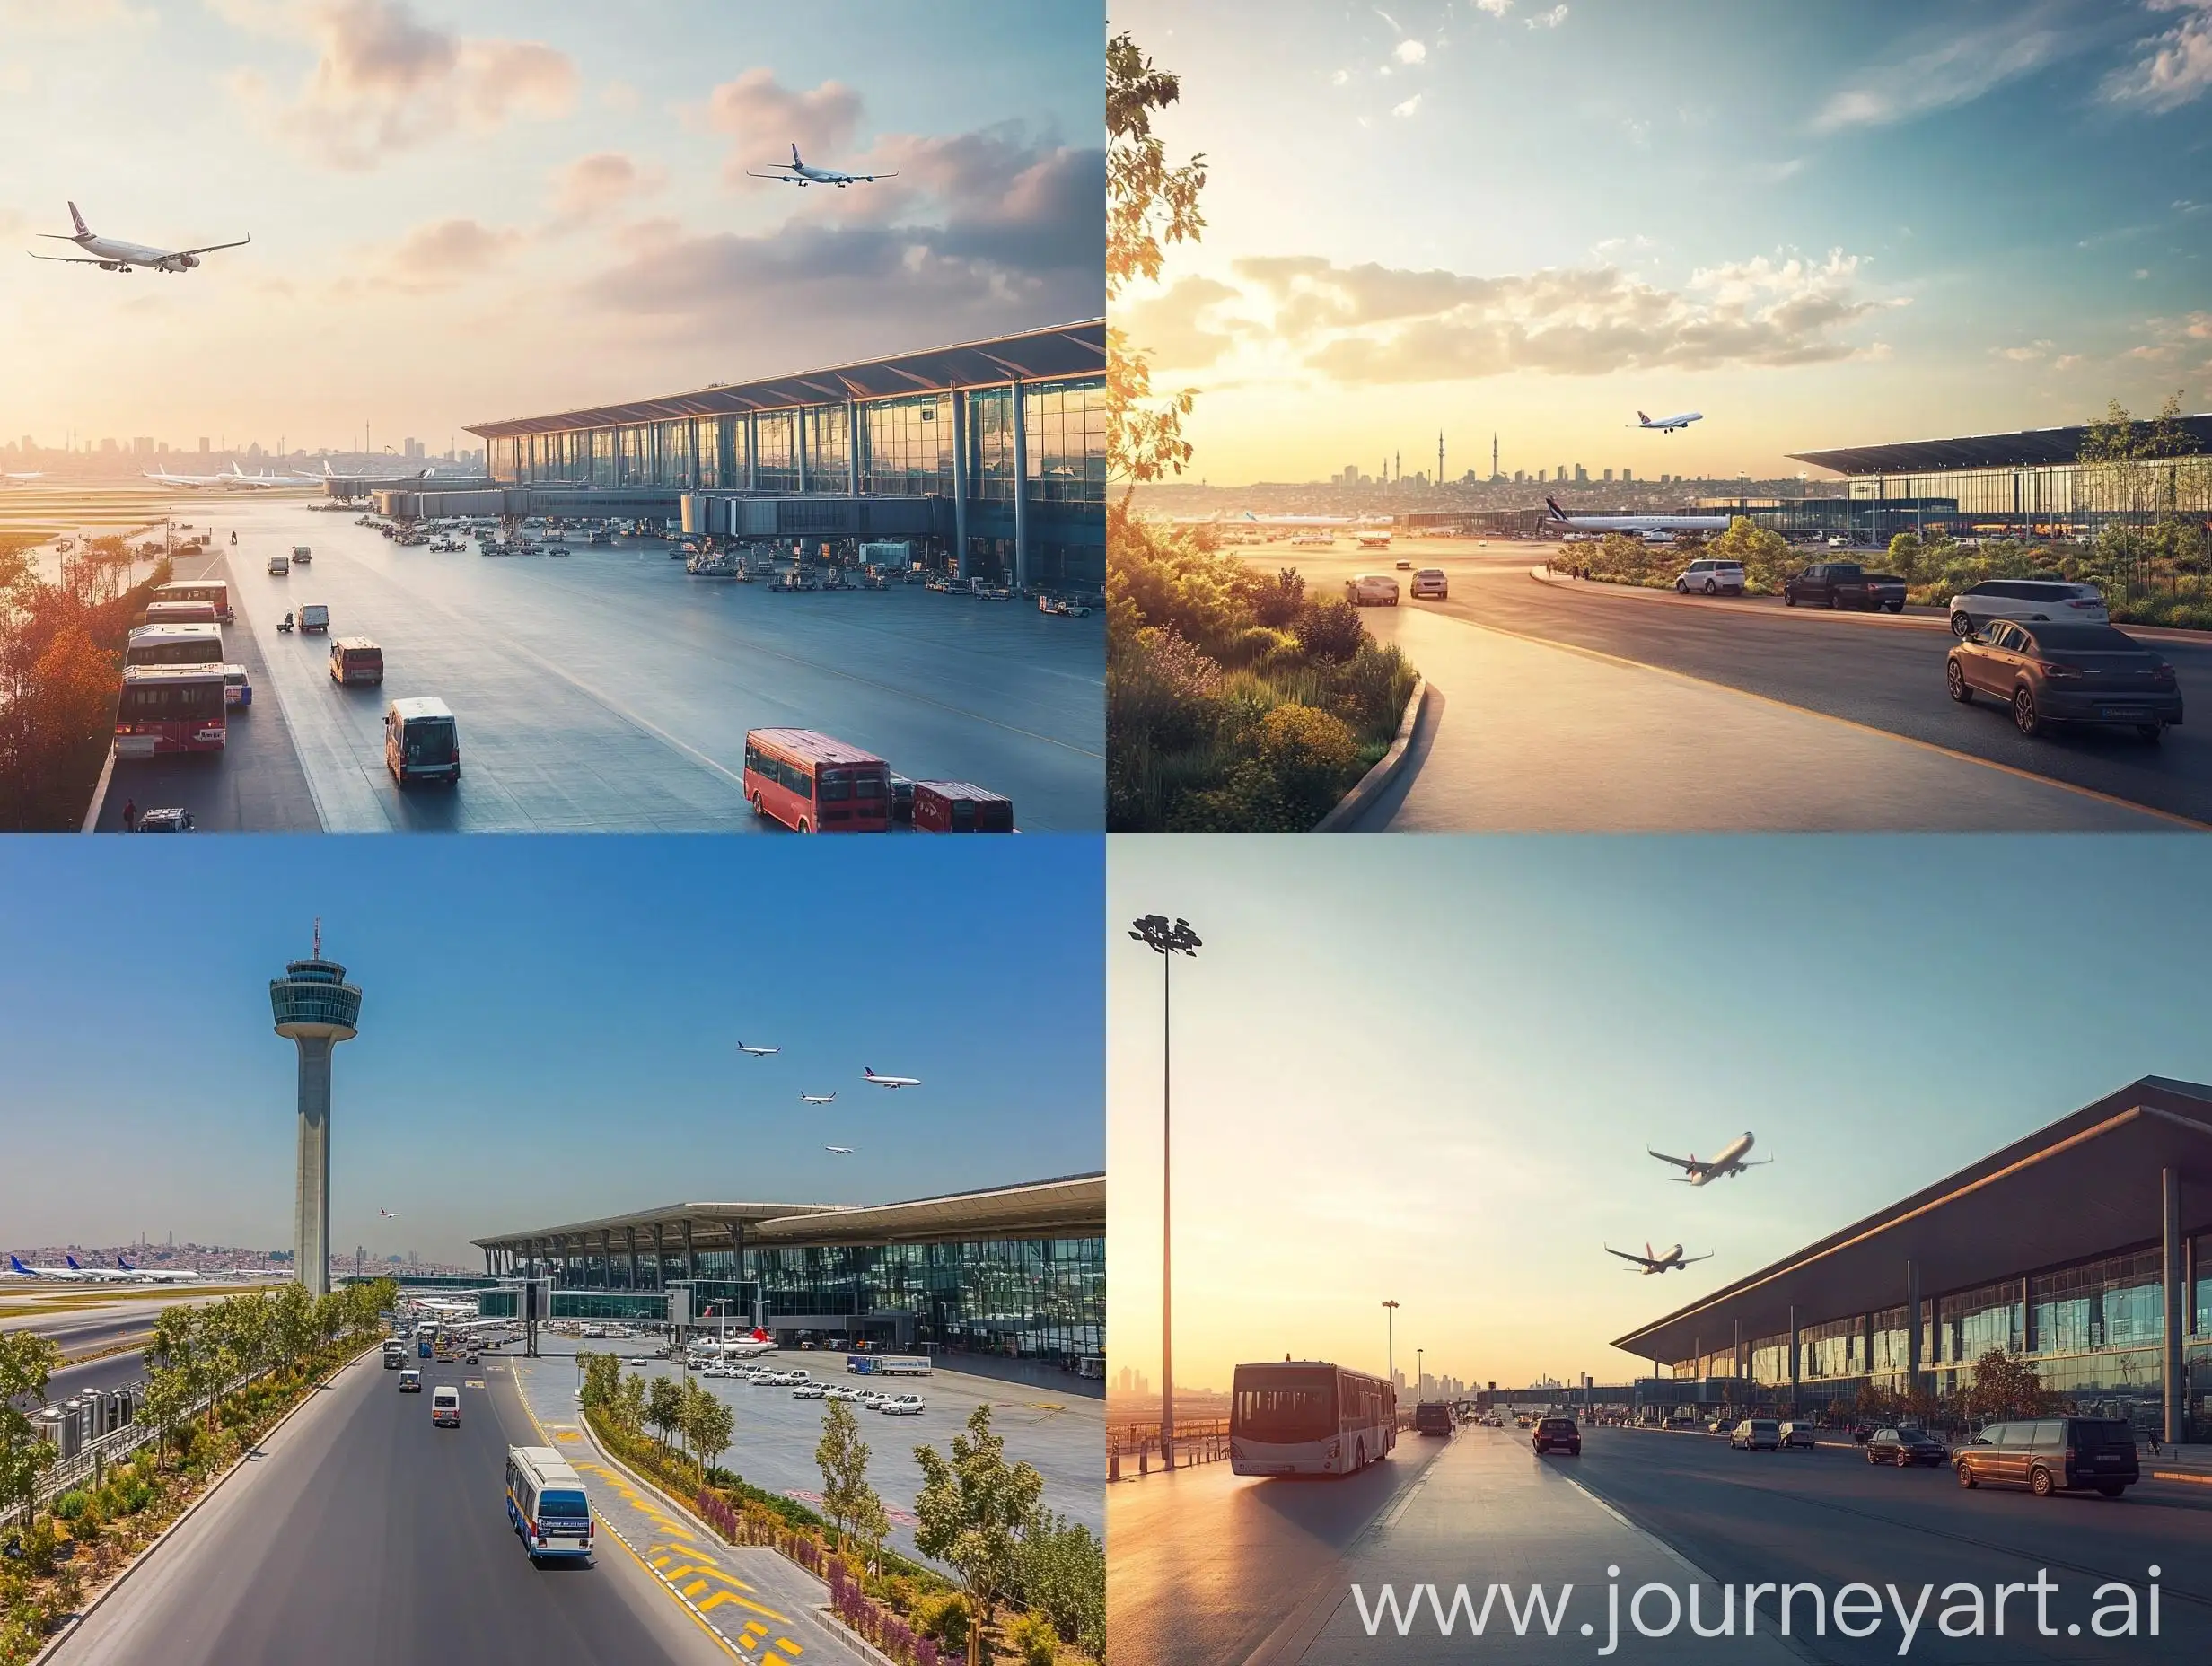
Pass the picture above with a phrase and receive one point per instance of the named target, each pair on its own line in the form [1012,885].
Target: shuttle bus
[180,613]
[816,784]
[169,708]
[546,1503]
[174,644]
[214,591]
[1304,1417]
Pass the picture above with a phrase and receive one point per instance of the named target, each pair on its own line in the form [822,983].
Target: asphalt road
[361,1536]
[1880,671]
[611,691]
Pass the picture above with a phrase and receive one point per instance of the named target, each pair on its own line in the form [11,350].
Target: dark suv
[1557,1435]
[2053,1454]
[1844,585]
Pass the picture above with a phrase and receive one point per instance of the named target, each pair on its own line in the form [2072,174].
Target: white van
[1378,590]
[445,1406]
[422,743]
[280,566]
[546,1504]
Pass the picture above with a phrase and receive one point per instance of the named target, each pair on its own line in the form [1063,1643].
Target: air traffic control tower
[318,1009]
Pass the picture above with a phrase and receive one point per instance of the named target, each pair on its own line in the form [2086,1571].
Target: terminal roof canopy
[1071,1206]
[1061,351]
[2027,447]
[2086,1186]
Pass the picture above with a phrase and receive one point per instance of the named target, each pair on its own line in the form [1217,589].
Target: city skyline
[1539,221]
[465,213]
[551,1029]
[1453,1110]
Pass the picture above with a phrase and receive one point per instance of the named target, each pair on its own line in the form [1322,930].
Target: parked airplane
[1669,1260]
[25,478]
[1636,523]
[111,254]
[801,173]
[71,1273]
[161,1275]
[1667,425]
[891,1081]
[842,1151]
[758,1052]
[817,1099]
[235,479]
[1730,1161]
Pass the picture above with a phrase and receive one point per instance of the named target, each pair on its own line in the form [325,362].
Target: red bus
[816,784]
[169,708]
[214,591]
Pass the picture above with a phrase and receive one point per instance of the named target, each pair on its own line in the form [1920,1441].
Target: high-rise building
[1582,474]
[1609,475]
[108,444]
[1627,476]
[203,443]
[315,1009]
[411,448]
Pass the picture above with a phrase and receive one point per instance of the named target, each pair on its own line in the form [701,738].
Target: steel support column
[852,445]
[660,1265]
[962,416]
[1797,1352]
[1021,490]
[691,1255]
[629,1235]
[2174,1385]
[1912,1326]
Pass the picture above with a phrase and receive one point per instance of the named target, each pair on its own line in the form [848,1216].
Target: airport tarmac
[608,690]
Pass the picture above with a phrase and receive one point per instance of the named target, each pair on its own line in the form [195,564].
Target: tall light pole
[1390,1342]
[1420,1373]
[1167,939]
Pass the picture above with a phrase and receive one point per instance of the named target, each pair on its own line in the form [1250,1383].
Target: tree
[971,1512]
[26,1361]
[163,1402]
[664,1407]
[708,1422]
[1063,1577]
[629,1405]
[2005,1385]
[1149,204]
[846,1498]
[292,1324]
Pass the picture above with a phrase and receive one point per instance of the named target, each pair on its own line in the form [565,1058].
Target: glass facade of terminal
[2094,1331]
[2069,500]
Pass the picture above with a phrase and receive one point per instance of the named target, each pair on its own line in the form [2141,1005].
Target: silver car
[2035,599]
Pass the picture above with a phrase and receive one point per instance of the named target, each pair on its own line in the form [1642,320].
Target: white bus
[1305,1417]
[546,1504]
[174,644]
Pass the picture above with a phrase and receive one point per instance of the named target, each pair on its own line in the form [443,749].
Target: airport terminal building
[2083,1247]
[1016,1272]
[991,452]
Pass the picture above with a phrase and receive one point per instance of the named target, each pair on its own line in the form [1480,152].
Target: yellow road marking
[786,1643]
[721,1596]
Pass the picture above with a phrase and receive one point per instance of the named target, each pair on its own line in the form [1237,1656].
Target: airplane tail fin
[794,155]
[16,1265]
[1644,419]
[126,1265]
[1553,504]
[77,220]
[73,1262]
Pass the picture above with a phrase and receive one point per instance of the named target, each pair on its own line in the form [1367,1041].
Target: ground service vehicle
[280,566]
[445,1407]
[960,807]
[421,742]
[1309,1417]
[2066,673]
[546,1504]
[356,658]
[1432,1417]
[173,645]
[2053,1455]
[1844,585]
[314,617]
[1429,584]
[1557,1435]
[815,783]
[169,708]
[1375,590]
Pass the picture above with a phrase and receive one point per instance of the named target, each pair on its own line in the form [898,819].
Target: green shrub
[1034,1639]
[71,1504]
[943,1616]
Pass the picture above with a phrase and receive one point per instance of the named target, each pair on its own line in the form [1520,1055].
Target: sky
[1429,1069]
[465,212]
[1829,223]
[548,1029]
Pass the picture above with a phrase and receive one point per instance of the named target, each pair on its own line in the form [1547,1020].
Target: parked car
[2035,599]
[811,1392]
[1756,1434]
[2066,673]
[1798,1436]
[901,1405]
[1844,584]
[1710,577]
[1905,1446]
[1557,1435]
[2053,1455]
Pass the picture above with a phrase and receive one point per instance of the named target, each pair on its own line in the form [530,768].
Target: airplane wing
[870,179]
[788,177]
[1756,1162]
[75,260]
[210,248]
[1680,1162]
[1626,1255]
[1686,1260]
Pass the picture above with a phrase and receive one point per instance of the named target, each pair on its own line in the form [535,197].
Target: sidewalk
[770,1611]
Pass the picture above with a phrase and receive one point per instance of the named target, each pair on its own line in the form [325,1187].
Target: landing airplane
[758,1052]
[1667,425]
[801,173]
[111,254]
[817,1099]
[1669,1260]
[891,1081]
[1730,1161]
[842,1151]
[390,1215]
[1635,524]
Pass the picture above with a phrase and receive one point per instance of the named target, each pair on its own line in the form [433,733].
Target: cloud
[590,186]
[1174,326]
[1546,20]
[1409,108]
[763,119]
[72,17]
[2027,354]
[2172,339]
[2176,70]
[1496,8]
[1411,51]
[1952,73]
[385,82]
[2066,361]
[1372,324]
[1339,78]
[443,253]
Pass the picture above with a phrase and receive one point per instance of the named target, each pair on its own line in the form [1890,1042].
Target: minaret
[317,1009]
[1493,453]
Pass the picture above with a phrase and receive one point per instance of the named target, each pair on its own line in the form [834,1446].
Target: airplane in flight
[1669,1260]
[841,1150]
[1635,524]
[1668,424]
[390,1215]
[1730,1161]
[111,254]
[817,1099]
[891,1081]
[802,173]
[758,1052]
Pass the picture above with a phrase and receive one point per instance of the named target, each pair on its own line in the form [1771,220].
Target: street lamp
[1390,1342]
[1421,1374]
[1167,939]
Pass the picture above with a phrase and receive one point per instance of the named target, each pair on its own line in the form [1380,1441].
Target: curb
[2191,1477]
[1350,807]
[100,793]
[190,1509]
